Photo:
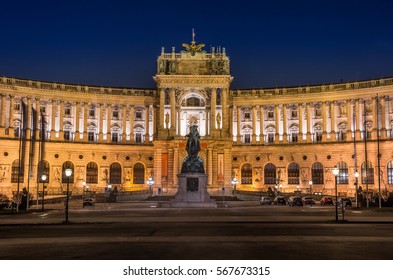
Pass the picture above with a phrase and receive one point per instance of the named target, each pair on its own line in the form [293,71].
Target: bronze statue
[193,163]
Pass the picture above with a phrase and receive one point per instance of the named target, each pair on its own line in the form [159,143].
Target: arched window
[270,174]
[92,173]
[317,173]
[139,173]
[64,178]
[390,173]
[246,174]
[342,177]
[293,173]
[115,173]
[15,172]
[367,173]
[43,168]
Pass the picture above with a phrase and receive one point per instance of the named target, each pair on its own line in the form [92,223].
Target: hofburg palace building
[287,139]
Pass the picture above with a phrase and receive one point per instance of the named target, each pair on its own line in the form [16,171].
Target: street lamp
[356,188]
[43,179]
[234,183]
[68,173]
[150,182]
[83,193]
[310,183]
[336,171]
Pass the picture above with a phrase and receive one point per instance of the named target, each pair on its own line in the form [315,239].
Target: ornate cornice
[193,80]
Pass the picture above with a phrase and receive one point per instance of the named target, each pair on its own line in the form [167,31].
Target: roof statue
[193,48]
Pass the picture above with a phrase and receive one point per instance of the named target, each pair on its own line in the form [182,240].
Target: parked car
[308,200]
[279,200]
[265,200]
[346,201]
[88,202]
[327,200]
[295,201]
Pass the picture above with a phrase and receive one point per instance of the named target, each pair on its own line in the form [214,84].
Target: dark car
[279,200]
[88,202]
[308,200]
[295,201]
[327,200]
[346,201]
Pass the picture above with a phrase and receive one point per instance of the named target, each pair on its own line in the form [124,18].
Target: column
[209,166]
[2,115]
[29,118]
[333,121]
[11,111]
[124,124]
[101,123]
[61,120]
[77,116]
[207,119]
[147,135]
[254,125]
[383,118]
[213,102]
[86,115]
[53,120]
[3,110]
[108,124]
[178,122]
[238,137]
[162,107]
[172,97]
[324,122]
[308,135]
[358,117]
[349,120]
[277,118]
[261,125]
[176,166]
[285,125]
[301,113]
[132,117]
[224,106]
[375,118]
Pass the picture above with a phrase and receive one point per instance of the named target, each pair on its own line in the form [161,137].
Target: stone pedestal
[192,192]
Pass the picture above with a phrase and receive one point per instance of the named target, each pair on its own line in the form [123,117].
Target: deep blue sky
[270,43]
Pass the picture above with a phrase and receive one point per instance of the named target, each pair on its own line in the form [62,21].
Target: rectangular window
[318,136]
[115,137]
[90,136]
[138,137]
[294,137]
[17,107]
[247,115]
[138,115]
[247,138]
[115,114]
[92,112]
[318,112]
[67,111]
[270,115]
[16,132]
[294,114]
[270,138]
[67,135]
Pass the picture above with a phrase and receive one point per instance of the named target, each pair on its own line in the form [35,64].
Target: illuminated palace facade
[288,138]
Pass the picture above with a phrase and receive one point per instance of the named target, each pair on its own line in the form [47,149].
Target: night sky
[270,43]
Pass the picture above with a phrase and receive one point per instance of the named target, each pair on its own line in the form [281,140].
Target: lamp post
[234,183]
[356,188]
[43,179]
[68,173]
[310,183]
[336,171]
[83,193]
[150,182]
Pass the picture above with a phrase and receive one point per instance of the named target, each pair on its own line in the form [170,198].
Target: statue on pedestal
[193,163]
